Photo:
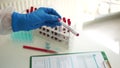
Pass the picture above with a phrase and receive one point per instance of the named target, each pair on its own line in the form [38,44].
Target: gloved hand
[40,17]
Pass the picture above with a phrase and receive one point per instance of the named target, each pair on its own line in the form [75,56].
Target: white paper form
[89,60]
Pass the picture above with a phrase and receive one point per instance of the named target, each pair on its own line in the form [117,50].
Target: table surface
[12,55]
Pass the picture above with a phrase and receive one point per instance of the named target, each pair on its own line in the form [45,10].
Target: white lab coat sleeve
[5,21]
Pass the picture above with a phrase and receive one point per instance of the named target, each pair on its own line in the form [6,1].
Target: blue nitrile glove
[40,17]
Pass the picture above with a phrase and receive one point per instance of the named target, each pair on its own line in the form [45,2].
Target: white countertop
[12,55]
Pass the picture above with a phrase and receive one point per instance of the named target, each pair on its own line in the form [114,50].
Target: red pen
[38,49]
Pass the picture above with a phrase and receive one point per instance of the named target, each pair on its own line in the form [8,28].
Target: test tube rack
[58,37]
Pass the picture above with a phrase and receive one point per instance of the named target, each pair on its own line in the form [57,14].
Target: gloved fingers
[58,23]
[50,11]
[52,24]
[35,26]
[51,18]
